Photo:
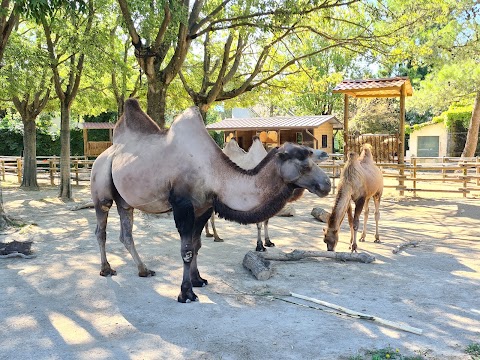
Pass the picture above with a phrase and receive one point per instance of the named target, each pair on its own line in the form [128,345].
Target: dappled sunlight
[21,323]
[70,331]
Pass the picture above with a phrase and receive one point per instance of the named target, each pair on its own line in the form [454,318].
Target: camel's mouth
[321,190]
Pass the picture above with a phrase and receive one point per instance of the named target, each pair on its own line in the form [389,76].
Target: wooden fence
[434,175]
[48,168]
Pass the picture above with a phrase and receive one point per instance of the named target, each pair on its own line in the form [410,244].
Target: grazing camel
[248,160]
[361,179]
[182,169]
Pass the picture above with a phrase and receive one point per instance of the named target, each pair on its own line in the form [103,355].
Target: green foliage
[387,353]
[474,351]
[375,116]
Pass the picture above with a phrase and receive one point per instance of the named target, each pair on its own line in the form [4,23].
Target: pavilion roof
[94,125]
[366,88]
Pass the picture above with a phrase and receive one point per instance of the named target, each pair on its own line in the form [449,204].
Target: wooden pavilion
[95,148]
[377,88]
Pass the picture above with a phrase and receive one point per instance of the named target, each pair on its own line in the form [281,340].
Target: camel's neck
[251,196]
[340,207]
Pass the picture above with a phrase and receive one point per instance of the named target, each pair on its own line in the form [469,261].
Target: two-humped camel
[183,170]
[248,160]
[361,180]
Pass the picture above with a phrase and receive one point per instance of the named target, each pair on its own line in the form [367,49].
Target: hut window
[324,141]
[299,138]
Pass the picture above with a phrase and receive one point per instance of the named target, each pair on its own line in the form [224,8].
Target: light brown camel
[361,179]
[248,160]
[183,170]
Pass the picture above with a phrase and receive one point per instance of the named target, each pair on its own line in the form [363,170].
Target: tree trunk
[29,176]
[472,135]
[156,100]
[65,184]
[3,216]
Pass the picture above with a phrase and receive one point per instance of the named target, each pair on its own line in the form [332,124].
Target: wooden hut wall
[324,129]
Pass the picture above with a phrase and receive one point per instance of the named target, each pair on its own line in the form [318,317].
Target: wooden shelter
[315,131]
[95,148]
[376,88]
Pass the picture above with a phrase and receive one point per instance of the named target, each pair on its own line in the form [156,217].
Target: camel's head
[330,238]
[297,166]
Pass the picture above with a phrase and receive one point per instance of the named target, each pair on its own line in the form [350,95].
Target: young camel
[361,179]
[154,171]
[248,160]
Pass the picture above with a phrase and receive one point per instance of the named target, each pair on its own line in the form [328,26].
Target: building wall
[438,129]
[324,129]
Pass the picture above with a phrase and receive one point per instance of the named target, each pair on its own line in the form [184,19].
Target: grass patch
[474,351]
[385,353]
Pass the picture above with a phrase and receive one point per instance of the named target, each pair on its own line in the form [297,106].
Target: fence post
[465,178]
[414,173]
[478,170]
[19,170]
[51,166]
[2,162]
[75,168]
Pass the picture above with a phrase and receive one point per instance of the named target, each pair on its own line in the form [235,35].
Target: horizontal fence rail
[436,175]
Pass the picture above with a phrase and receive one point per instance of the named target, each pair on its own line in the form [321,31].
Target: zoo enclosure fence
[452,175]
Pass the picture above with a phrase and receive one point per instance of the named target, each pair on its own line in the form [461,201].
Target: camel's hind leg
[260,246]
[101,209]
[376,200]
[366,211]
[215,236]
[196,279]
[355,221]
[268,243]
[125,212]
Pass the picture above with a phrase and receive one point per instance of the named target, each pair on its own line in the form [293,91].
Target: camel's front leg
[359,204]
[125,212]
[352,232]
[268,243]
[366,211]
[184,216]
[376,200]
[197,280]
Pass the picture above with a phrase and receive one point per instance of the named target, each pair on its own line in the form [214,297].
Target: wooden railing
[48,168]
[434,175]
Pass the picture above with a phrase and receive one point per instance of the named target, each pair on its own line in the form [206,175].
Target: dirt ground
[56,306]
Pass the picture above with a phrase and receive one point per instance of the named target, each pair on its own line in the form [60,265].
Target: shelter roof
[94,125]
[390,87]
[275,123]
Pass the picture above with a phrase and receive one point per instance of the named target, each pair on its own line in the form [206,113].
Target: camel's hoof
[377,241]
[188,297]
[108,272]
[199,282]
[269,244]
[208,235]
[218,240]
[146,273]
[362,240]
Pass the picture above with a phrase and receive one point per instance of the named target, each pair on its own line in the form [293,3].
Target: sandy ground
[56,306]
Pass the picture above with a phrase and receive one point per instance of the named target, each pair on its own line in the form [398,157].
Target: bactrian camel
[183,170]
[361,180]
[248,160]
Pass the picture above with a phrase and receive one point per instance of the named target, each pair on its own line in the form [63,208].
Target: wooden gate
[385,147]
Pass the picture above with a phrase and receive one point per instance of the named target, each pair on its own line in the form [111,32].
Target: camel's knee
[356,224]
[103,205]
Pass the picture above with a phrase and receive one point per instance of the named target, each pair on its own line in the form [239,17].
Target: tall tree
[27,84]
[314,46]
[67,48]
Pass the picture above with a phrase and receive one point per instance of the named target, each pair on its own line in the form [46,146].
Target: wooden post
[75,168]
[2,162]
[51,166]
[414,163]
[345,127]
[401,152]
[465,178]
[19,170]
[85,141]
[478,171]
